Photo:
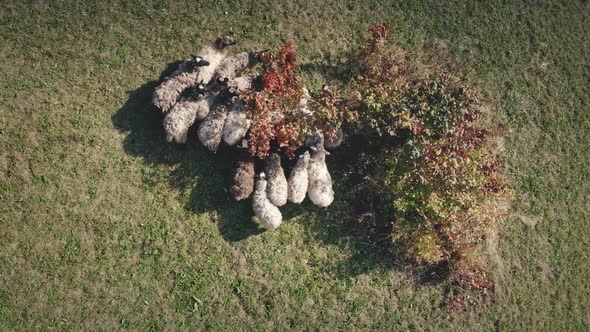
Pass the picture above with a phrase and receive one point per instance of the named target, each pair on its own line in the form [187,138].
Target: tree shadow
[203,173]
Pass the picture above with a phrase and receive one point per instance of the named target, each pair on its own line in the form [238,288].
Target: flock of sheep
[205,90]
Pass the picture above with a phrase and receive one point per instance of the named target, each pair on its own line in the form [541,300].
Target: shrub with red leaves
[276,121]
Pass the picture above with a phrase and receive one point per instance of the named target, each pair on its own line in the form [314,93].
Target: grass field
[105,226]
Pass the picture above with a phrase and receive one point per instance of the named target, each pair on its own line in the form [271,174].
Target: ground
[103,225]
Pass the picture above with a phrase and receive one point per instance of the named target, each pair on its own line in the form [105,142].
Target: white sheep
[277,189]
[303,106]
[242,83]
[211,129]
[179,119]
[233,66]
[269,215]
[298,179]
[319,190]
[236,124]
[213,53]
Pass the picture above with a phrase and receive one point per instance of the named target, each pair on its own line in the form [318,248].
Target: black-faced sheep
[268,214]
[179,119]
[166,94]
[277,190]
[319,190]
[298,179]
[200,70]
[210,131]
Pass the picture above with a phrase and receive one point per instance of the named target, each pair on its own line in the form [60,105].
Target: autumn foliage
[276,117]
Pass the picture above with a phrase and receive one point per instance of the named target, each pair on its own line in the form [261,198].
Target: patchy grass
[105,226]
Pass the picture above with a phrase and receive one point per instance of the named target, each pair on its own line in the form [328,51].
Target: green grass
[105,226]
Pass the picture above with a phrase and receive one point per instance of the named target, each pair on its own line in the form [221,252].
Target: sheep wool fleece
[269,215]
[277,189]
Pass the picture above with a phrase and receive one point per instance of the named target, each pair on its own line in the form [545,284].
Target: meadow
[105,226]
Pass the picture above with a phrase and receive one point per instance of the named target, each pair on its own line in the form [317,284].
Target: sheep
[179,119]
[233,66]
[269,215]
[333,143]
[204,105]
[211,129]
[303,107]
[236,124]
[298,180]
[200,70]
[242,178]
[277,182]
[319,190]
[311,139]
[242,83]
[167,93]
[213,53]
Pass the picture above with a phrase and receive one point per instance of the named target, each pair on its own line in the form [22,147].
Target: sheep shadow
[195,168]
[203,173]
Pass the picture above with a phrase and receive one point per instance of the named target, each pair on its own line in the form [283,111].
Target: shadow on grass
[202,172]
[195,166]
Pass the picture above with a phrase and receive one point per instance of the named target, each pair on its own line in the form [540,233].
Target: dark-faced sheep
[277,189]
[267,213]
[320,189]
[179,119]
[201,70]
[210,131]
[166,94]
[298,179]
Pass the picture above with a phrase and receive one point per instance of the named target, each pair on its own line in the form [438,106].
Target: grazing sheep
[277,189]
[213,53]
[233,66]
[199,70]
[179,119]
[189,65]
[242,83]
[236,124]
[167,93]
[211,129]
[313,138]
[320,190]
[298,180]
[242,178]
[204,105]
[269,215]
[303,104]
[333,143]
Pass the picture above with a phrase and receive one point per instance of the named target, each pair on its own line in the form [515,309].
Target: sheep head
[222,43]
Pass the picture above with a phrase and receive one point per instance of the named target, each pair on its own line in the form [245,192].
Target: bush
[274,112]
[441,180]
